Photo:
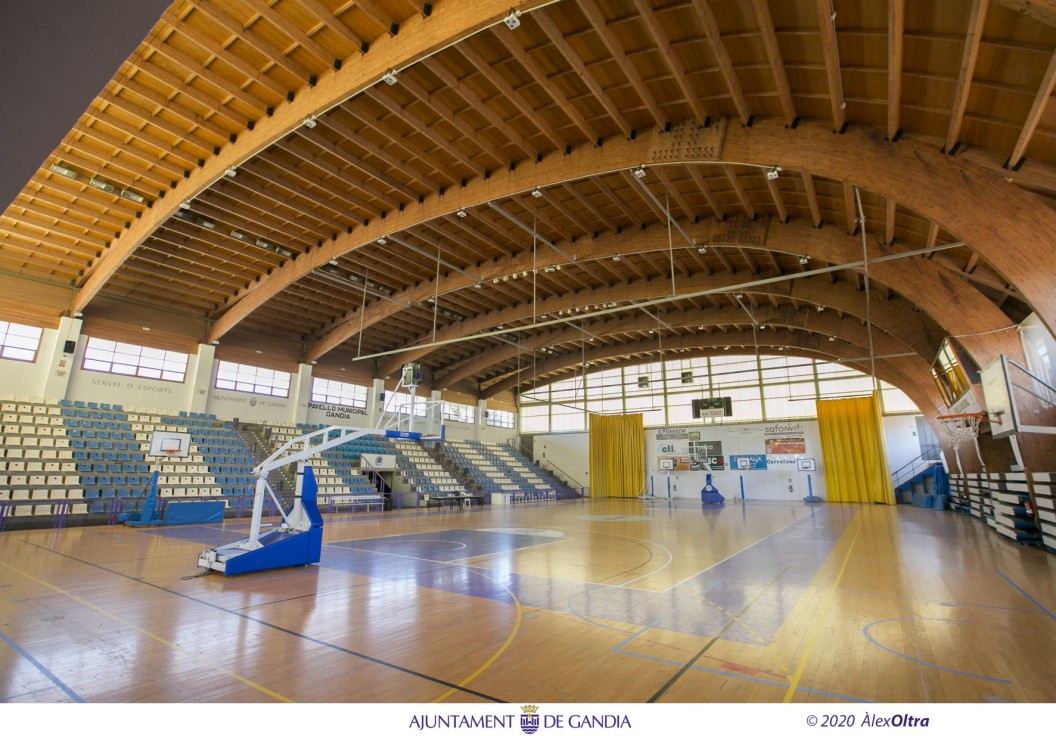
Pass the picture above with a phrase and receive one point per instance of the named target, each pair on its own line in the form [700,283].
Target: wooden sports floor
[577,602]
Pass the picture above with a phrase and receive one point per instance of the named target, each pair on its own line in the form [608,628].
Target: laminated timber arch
[804,319]
[1008,227]
[894,371]
[936,290]
[449,22]
[897,317]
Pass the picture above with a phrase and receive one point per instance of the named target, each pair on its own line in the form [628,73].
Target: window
[459,412]
[401,404]
[19,342]
[325,391]
[108,356]
[768,388]
[500,418]
[252,379]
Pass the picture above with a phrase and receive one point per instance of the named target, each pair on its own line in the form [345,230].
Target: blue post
[811,498]
[669,487]
[742,489]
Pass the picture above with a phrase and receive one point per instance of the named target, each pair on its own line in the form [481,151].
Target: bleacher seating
[74,458]
[497,469]
[341,483]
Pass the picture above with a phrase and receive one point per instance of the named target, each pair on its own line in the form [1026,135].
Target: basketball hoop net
[963,427]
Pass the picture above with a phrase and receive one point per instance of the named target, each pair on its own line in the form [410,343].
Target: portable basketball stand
[299,539]
[709,493]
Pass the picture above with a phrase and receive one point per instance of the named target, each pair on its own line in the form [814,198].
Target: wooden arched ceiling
[251,167]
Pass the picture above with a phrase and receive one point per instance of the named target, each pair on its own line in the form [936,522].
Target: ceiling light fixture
[185,205]
[702,249]
[513,20]
[231,171]
[639,172]
[380,241]
[832,338]
[803,260]
[309,122]
[133,195]
[476,285]
[103,184]
[616,258]
[239,235]
[773,172]
[461,212]
[537,192]
[60,169]
[821,308]
[390,77]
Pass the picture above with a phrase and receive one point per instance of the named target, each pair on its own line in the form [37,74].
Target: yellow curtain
[617,455]
[852,445]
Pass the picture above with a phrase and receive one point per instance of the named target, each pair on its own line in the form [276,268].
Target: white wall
[900,436]
[566,455]
[336,415]
[248,407]
[571,453]
[27,379]
[108,388]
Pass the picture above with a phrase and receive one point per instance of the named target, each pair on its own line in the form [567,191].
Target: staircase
[922,475]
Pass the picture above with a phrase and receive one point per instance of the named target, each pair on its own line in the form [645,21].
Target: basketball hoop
[963,427]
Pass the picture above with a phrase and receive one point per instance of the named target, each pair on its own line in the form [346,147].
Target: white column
[482,420]
[374,405]
[300,393]
[58,363]
[434,413]
[201,379]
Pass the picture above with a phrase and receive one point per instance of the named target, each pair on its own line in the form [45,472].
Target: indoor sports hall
[489,356]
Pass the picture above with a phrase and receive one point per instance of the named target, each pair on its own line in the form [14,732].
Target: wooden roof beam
[812,198]
[738,189]
[328,19]
[448,115]
[506,89]
[422,127]
[773,55]
[287,26]
[849,208]
[976,21]
[372,149]
[722,56]
[670,58]
[535,71]
[889,221]
[562,46]
[235,92]
[174,106]
[244,33]
[779,201]
[827,26]
[618,201]
[702,184]
[619,56]
[1041,102]
[896,21]
[253,74]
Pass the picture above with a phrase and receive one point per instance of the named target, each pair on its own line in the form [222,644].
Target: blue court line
[921,661]
[1044,610]
[43,670]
